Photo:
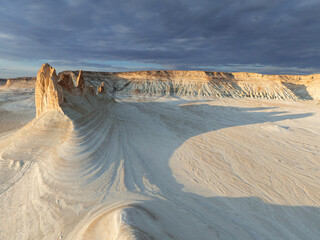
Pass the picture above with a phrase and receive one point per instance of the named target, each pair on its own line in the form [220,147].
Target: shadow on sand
[160,128]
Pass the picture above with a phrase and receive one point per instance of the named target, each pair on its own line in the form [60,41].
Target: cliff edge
[206,84]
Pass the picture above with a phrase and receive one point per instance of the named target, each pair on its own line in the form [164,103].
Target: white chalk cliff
[209,84]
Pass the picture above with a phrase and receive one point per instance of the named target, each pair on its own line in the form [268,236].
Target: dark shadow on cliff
[299,90]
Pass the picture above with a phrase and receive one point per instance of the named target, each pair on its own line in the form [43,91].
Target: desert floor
[159,168]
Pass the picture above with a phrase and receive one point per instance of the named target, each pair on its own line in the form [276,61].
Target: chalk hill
[208,84]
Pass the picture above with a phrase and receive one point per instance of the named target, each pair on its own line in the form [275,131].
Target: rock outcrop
[208,84]
[51,90]
[66,82]
[101,88]
[9,83]
[80,83]
[200,83]
[48,93]
[23,82]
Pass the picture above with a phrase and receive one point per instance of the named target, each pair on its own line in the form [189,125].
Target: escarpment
[207,84]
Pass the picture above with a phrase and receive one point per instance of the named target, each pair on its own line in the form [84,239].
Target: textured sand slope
[161,168]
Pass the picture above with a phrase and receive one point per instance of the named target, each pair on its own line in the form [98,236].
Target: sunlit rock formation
[48,93]
[101,88]
[51,90]
[80,83]
[208,84]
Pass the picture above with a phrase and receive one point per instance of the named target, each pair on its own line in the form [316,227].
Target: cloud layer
[268,36]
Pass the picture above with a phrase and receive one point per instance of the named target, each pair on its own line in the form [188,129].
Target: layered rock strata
[208,84]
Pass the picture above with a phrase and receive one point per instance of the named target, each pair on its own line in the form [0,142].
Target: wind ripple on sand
[163,170]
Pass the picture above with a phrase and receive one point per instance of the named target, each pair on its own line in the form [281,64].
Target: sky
[264,36]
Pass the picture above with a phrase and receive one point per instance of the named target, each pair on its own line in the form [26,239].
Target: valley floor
[160,168]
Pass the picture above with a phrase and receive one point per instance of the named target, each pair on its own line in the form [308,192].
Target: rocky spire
[80,82]
[48,93]
[9,82]
[101,89]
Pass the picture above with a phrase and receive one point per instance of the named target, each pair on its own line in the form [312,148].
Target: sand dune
[164,162]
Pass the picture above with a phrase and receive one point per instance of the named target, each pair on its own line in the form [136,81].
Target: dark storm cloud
[198,34]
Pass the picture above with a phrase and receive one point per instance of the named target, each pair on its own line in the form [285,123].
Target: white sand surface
[159,168]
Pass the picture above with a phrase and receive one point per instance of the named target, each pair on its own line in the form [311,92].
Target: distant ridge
[20,82]
[207,84]
[191,83]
